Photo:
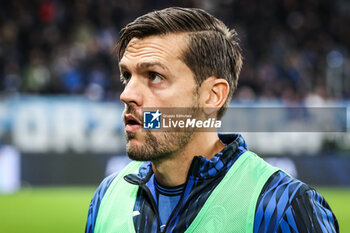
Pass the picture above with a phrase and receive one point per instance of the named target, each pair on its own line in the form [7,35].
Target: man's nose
[132,92]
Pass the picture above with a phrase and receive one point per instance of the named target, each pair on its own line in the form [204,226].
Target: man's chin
[136,152]
[139,151]
[137,157]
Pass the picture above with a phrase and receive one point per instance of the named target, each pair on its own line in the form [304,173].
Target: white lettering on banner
[104,135]
[69,128]
[30,128]
[63,126]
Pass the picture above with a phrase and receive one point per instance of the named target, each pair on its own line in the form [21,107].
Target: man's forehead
[171,44]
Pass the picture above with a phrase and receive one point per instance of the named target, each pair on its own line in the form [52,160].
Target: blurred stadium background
[60,116]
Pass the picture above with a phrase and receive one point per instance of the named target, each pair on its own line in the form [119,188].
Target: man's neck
[173,171]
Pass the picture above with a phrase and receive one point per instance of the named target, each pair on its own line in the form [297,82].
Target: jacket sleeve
[308,212]
[95,203]
[288,205]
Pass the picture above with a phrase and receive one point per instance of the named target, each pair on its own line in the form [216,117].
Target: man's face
[155,77]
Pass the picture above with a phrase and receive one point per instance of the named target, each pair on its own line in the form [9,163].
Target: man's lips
[132,124]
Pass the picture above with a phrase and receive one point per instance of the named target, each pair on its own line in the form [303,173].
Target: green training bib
[229,208]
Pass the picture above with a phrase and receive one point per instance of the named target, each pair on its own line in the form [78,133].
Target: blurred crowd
[294,50]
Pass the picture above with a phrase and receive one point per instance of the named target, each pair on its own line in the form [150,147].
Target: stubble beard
[158,146]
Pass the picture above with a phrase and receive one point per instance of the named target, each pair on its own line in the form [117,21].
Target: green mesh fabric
[230,207]
[116,210]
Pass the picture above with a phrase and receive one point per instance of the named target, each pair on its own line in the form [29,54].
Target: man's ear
[213,94]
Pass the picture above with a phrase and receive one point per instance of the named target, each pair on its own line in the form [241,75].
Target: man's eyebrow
[144,65]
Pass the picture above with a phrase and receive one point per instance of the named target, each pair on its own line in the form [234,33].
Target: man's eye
[125,77]
[155,77]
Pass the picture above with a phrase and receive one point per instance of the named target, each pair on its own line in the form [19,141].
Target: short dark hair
[213,49]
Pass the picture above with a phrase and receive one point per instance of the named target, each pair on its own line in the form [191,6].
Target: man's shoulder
[276,196]
[96,201]
[101,190]
[286,202]
[103,187]
[280,189]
